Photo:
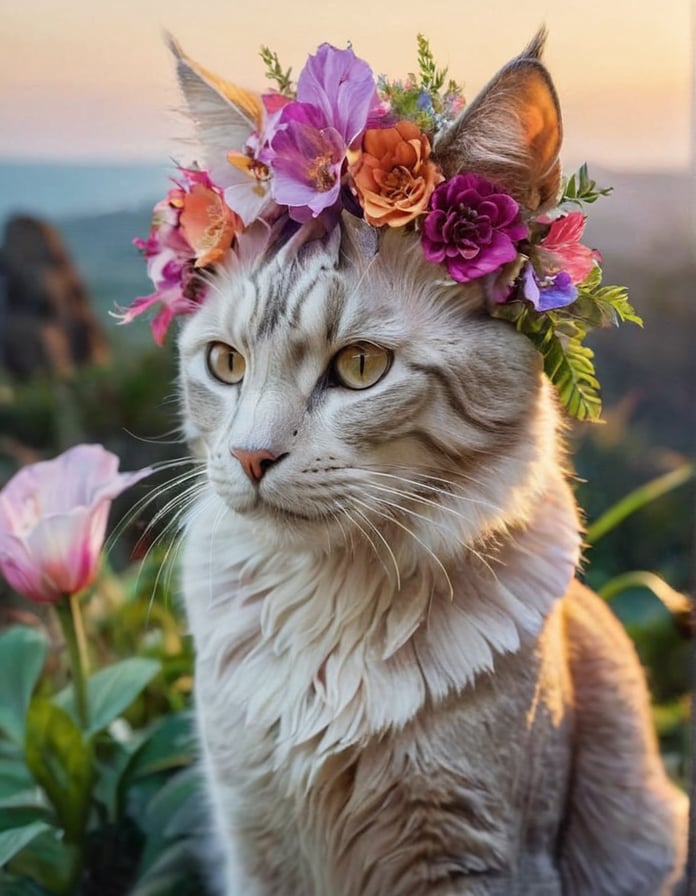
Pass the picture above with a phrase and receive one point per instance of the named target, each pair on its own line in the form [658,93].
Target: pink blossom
[562,249]
[53,517]
[191,228]
[245,177]
[472,226]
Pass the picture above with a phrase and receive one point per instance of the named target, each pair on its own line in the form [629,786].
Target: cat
[401,689]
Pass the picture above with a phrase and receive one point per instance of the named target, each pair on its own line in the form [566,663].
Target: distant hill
[56,190]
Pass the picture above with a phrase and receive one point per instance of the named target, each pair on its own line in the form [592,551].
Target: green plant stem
[70,617]
[676,602]
[637,499]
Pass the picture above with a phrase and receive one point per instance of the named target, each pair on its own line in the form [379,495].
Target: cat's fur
[400,689]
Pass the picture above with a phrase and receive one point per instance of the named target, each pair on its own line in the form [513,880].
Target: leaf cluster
[427,99]
[276,72]
[559,337]
[109,805]
[432,78]
[580,189]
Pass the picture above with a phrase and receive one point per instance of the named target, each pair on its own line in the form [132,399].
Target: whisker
[467,547]
[396,522]
[366,536]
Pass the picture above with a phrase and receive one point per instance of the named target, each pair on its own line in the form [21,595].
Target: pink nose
[254,463]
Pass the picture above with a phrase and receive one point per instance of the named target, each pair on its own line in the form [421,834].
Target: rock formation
[46,322]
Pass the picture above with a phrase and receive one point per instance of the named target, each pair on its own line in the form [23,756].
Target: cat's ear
[511,133]
[225,115]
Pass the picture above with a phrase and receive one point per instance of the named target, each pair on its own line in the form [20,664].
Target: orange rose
[207,224]
[393,176]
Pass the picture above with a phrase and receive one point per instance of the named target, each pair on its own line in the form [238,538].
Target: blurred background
[89,126]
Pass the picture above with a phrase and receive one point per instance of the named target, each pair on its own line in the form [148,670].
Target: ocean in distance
[59,190]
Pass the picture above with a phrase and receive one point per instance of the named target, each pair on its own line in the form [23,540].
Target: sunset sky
[94,81]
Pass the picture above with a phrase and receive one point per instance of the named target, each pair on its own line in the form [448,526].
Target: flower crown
[344,141]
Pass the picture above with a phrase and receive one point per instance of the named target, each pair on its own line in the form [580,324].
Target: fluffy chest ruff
[308,660]
[330,644]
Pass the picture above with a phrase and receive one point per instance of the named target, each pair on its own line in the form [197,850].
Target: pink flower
[245,178]
[561,248]
[53,517]
[191,228]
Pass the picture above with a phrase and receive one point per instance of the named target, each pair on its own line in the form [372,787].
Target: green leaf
[432,79]
[23,809]
[602,306]
[20,886]
[183,791]
[580,188]
[22,657]
[169,872]
[567,362]
[62,762]
[111,690]
[169,745]
[275,72]
[15,839]
[14,775]
[48,861]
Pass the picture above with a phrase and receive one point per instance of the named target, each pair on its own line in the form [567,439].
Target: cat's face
[334,394]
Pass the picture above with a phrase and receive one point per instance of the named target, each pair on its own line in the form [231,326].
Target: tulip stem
[70,617]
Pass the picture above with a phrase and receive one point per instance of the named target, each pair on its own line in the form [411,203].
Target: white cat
[400,689]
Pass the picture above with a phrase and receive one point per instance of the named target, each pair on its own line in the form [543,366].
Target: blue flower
[549,292]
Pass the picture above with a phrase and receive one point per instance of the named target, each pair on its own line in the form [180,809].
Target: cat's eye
[225,363]
[361,365]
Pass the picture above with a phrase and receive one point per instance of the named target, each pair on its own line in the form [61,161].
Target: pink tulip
[53,517]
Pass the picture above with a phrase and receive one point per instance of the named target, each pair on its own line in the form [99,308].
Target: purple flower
[472,227]
[547,293]
[335,97]
[342,87]
[307,162]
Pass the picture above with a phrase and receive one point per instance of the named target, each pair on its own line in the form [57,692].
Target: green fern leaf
[567,362]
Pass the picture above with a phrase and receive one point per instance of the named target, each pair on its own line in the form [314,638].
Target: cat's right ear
[224,115]
[511,133]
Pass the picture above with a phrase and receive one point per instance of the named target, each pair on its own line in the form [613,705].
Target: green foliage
[567,362]
[14,840]
[580,189]
[636,500]
[432,78]
[425,98]
[602,306]
[111,690]
[60,757]
[275,72]
[22,656]
[559,337]
[111,806]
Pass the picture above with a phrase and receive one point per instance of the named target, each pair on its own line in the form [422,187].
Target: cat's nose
[255,463]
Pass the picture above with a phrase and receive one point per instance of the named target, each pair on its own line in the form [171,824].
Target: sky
[93,80]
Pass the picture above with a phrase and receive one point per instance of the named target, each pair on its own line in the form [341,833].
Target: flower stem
[70,617]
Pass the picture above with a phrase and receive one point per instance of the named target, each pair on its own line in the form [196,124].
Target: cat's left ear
[511,133]
[225,115]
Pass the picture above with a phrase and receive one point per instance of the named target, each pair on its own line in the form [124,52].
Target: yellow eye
[225,363]
[361,365]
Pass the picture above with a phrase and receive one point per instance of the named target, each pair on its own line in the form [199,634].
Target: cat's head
[339,386]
